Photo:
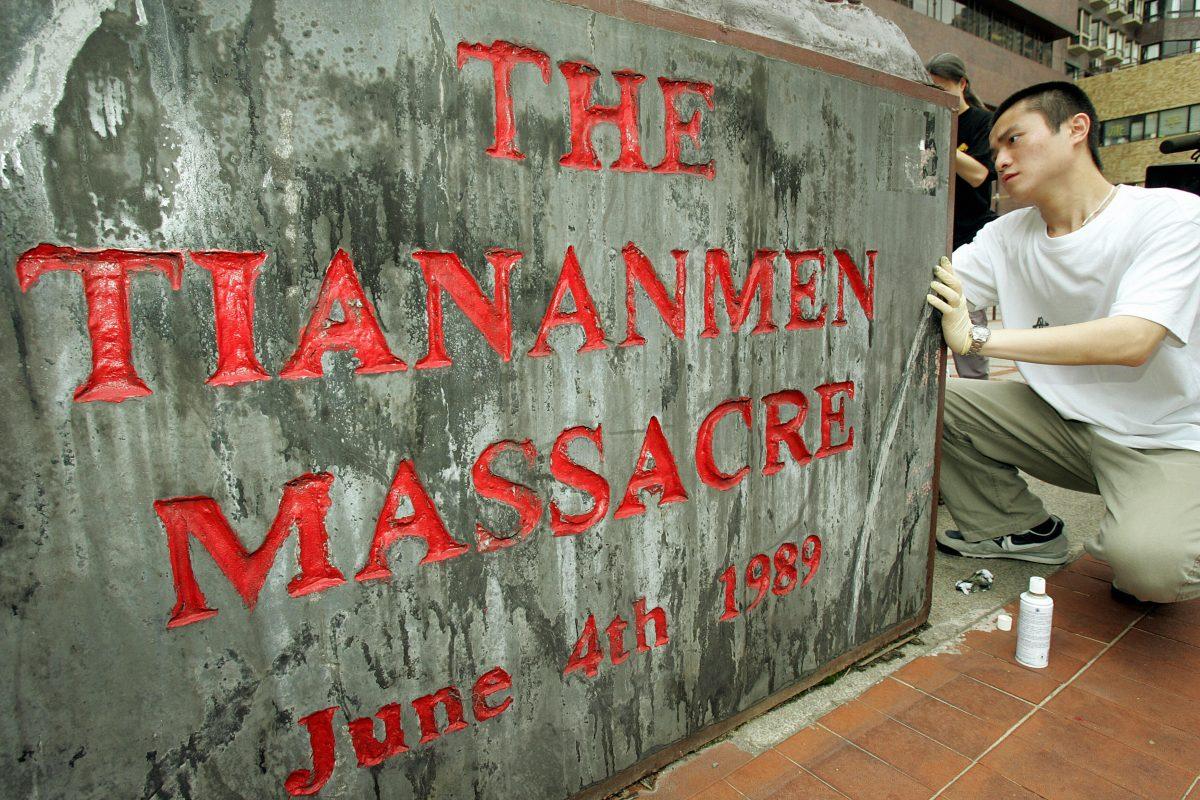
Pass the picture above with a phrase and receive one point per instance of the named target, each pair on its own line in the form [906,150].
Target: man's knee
[1157,572]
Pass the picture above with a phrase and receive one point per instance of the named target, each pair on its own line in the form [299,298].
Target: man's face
[1028,155]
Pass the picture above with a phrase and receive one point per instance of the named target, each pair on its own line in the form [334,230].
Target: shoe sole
[1009,556]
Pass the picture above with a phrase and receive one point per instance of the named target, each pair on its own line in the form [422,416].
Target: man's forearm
[969,169]
[1122,340]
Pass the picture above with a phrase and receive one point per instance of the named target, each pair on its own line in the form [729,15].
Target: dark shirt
[973,204]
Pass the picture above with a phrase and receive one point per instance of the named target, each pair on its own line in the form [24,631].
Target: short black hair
[1058,101]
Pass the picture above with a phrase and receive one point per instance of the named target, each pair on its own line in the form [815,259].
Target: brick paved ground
[1115,715]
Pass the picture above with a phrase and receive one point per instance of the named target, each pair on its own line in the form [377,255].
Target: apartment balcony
[1096,49]
[1096,5]
[1112,58]
[1078,47]
[1114,11]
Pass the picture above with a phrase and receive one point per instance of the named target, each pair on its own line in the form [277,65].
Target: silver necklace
[1100,207]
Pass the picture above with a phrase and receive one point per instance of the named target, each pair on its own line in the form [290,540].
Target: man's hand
[948,299]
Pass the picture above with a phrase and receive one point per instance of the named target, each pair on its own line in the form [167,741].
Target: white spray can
[1033,625]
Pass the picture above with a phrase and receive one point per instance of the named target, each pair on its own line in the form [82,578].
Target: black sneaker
[1028,545]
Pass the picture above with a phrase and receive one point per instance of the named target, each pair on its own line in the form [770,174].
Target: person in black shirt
[974,175]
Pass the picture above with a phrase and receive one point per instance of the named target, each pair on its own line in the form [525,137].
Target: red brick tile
[861,776]
[1101,629]
[890,696]
[1100,606]
[1077,582]
[1094,568]
[916,755]
[983,701]
[1043,771]
[1028,684]
[953,727]
[850,718]
[718,791]
[1134,665]
[1142,734]
[1068,651]
[810,744]
[1152,702]
[1106,756]
[1188,612]
[981,783]
[1175,629]
[1151,645]
[759,776]
[925,673]
[698,772]
[806,786]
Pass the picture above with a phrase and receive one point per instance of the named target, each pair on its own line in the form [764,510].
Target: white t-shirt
[1138,257]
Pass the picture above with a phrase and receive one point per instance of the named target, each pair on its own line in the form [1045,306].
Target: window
[1115,131]
[1169,48]
[1173,122]
[979,18]
[1152,125]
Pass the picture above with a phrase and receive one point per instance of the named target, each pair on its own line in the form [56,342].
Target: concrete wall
[189,152]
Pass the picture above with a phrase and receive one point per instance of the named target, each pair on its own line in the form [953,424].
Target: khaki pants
[1151,529]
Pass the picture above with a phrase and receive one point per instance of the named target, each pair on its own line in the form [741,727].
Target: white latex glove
[948,298]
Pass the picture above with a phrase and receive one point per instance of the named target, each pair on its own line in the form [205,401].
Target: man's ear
[1080,127]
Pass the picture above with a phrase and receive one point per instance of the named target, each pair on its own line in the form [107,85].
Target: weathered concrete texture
[297,128]
[849,31]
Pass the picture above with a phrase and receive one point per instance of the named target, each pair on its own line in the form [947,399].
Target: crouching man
[1099,287]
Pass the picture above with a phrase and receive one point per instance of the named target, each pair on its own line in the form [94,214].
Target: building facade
[1140,107]
[1114,34]
[1006,45]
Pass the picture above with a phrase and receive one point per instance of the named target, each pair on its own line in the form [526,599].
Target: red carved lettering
[578,477]
[830,415]
[616,640]
[706,467]
[492,319]
[503,56]
[785,432]
[760,278]
[586,655]
[426,708]
[424,523]
[489,683]
[642,617]
[521,498]
[358,331]
[585,116]
[806,291]
[233,277]
[105,275]
[864,291]
[372,752]
[639,269]
[320,740]
[674,129]
[570,280]
[662,478]
[303,506]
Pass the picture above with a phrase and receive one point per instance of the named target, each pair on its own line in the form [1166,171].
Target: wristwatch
[979,336]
